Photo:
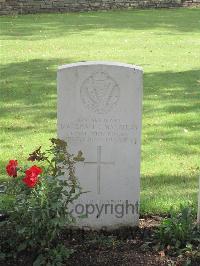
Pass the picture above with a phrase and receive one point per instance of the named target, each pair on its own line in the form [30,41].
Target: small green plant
[56,256]
[42,194]
[104,241]
[180,235]
[179,228]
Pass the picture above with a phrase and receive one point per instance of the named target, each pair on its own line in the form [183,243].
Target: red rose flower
[31,177]
[11,168]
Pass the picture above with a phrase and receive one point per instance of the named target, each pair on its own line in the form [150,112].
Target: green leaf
[22,247]
[39,261]
[21,230]
[79,157]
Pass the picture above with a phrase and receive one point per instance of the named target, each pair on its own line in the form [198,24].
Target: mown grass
[166,43]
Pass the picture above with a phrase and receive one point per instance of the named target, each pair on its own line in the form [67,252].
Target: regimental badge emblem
[100,93]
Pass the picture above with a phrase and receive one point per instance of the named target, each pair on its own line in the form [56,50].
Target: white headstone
[99,113]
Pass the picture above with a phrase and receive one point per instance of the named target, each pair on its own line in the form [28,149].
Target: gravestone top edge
[104,63]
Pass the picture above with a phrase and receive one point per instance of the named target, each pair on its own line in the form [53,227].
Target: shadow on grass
[32,86]
[170,112]
[40,26]
[28,89]
[160,182]
[180,90]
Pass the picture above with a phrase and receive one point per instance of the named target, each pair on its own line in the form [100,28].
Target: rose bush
[41,196]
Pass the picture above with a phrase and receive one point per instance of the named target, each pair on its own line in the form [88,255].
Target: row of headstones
[99,112]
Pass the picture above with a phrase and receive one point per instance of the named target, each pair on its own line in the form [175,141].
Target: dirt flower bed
[127,246]
[122,247]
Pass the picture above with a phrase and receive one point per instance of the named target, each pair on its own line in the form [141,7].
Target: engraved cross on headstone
[99,163]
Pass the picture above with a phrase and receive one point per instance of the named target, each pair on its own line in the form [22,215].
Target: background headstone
[99,113]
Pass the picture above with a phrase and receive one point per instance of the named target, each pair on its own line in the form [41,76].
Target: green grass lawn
[166,43]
